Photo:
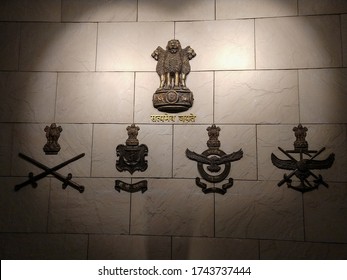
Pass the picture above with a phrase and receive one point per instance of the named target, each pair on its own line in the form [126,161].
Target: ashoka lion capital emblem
[173,66]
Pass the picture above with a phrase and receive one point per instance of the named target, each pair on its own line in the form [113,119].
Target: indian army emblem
[303,166]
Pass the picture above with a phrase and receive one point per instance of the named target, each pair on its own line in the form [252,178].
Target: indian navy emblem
[173,66]
[302,167]
[132,155]
[131,159]
[210,162]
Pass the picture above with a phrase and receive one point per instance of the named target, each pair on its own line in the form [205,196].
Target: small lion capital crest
[173,66]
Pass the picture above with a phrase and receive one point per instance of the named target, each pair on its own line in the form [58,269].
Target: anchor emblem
[131,158]
[132,155]
[213,157]
[302,167]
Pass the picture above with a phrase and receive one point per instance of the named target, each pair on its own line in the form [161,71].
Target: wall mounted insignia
[302,167]
[52,146]
[50,171]
[139,186]
[173,66]
[213,157]
[131,159]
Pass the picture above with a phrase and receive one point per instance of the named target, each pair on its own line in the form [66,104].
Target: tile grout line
[91,152]
[214,96]
[298,82]
[341,37]
[303,215]
[56,98]
[255,45]
[96,46]
[49,204]
[134,97]
[19,46]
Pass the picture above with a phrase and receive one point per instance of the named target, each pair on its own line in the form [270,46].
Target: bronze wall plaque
[131,188]
[132,155]
[212,158]
[52,146]
[131,159]
[302,167]
[173,66]
[50,171]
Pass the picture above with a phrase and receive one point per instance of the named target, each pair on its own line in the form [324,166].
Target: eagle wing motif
[283,164]
[199,158]
[321,164]
[229,158]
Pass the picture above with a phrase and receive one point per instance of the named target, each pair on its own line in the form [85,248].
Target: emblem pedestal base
[173,100]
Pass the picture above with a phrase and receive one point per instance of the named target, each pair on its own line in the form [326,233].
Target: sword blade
[46,168]
[50,171]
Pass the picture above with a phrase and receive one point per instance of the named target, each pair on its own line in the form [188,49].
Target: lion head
[173,46]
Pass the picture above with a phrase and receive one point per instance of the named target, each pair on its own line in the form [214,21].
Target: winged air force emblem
[302,167]
[214,159]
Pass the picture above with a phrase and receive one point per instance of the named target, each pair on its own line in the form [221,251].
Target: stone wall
[262,67]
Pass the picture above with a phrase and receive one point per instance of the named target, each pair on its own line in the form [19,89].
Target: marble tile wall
[262,67]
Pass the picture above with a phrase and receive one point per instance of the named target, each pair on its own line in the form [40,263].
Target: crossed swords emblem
[50,171]
[302,168]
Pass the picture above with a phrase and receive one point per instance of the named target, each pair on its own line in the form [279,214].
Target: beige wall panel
[5,148]
[291,250]
[260,210]
[9,46]
[323,95]
[172,207]
[30,10]
[325,214]
[27,97]
[96,10]
[25,210]
[219,45]
[200,83]
[38,246]
[115,247]
[298,42]
[29,139]
[344,38]
[256,97]
[333,138]
[128,46]
[95,97]
[58,47]
[233,138]
[227,9]
[158,10]
[99,209]
[313,7]
[108,136]
[197,248]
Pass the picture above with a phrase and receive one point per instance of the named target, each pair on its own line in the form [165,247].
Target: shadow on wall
[42,54]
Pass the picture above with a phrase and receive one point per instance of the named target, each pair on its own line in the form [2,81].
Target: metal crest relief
[52,146]
[173,66]
[302,166]
[131,159]
[50,171]
[213,158]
